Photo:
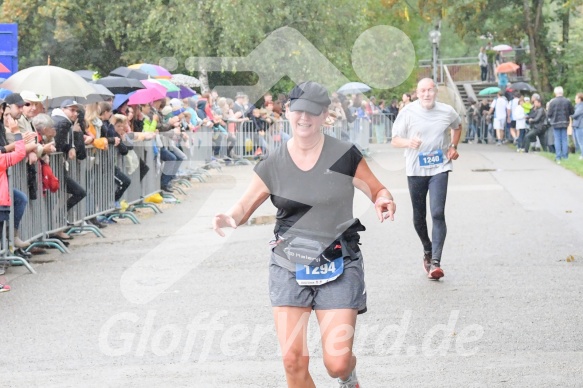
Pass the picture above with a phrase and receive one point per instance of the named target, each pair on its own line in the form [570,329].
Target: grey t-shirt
[318,200]
[432,126]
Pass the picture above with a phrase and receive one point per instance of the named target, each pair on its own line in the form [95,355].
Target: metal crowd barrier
[99,186]
[151,182]
[33,222]
[56,203]
[251,144]
[136,192]
[44,214]
[199,154]
[47,214]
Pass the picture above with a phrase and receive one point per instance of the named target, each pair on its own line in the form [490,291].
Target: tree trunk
[204,80]
[531,32]
[565,13]
[542,48]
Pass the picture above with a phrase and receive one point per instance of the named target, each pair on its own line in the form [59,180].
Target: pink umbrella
[154,85]
[145,96]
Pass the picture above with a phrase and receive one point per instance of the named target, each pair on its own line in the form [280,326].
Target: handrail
[454,93]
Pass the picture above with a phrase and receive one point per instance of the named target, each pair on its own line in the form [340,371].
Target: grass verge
[573,163]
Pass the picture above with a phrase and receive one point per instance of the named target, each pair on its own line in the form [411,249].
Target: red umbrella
[145,96]
[507,67]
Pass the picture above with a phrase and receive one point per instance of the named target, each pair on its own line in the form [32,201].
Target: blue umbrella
[4,93]
[120,99]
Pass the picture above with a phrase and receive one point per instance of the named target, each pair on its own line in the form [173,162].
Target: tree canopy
[101,36]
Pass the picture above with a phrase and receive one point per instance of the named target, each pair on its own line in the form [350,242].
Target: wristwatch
[452,146]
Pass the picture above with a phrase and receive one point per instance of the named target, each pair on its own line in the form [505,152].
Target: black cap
[15,99]
[309,97]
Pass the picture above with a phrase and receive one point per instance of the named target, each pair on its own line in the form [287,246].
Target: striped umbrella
[154,71]
[170,87]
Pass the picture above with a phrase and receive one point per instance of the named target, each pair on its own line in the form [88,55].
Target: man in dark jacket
[69,140]
[537,120]
[560,109]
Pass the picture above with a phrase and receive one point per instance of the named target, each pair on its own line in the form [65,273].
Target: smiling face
[305,124]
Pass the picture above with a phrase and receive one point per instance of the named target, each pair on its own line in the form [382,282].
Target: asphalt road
[168,303]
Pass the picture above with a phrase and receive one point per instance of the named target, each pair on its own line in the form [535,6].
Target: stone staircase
[472,89]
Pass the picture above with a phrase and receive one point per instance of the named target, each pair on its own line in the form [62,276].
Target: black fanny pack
[315,249]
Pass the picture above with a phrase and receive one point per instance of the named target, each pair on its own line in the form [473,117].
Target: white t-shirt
[500,105]
[433,128]
[520,117]
[513,108]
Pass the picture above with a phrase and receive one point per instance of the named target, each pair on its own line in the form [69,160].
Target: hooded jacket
[66,138]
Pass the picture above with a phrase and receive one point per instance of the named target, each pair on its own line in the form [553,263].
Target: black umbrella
[123,71]
[120,85]
[523,87]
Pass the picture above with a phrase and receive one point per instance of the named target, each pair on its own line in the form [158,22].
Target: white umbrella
[185,80]
[49,81]
[502,47]
[354,88]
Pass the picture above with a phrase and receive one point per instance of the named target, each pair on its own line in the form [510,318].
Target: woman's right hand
[223,221]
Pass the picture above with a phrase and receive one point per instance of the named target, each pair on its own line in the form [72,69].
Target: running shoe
[435,272]
[352,381]
[426,261]
[4,288]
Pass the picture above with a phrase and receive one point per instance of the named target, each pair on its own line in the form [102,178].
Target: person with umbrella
[430,131]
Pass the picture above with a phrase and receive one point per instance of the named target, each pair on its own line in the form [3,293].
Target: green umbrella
[170,87]
[490,90]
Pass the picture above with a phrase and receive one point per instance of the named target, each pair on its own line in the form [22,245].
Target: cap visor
[301,105]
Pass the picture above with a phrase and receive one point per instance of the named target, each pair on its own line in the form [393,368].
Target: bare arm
[456,133]
[254,196]
[367,182]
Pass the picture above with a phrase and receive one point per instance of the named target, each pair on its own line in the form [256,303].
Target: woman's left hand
[385,208]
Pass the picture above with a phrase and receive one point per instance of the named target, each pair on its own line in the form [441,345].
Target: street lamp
[434,37]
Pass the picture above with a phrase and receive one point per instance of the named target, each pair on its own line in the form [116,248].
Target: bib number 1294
[307,275]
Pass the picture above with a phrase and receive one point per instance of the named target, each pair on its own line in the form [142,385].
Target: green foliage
[103,35]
